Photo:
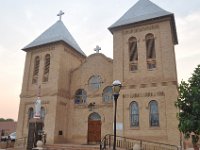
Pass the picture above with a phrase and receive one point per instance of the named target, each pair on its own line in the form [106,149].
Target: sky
[21,21]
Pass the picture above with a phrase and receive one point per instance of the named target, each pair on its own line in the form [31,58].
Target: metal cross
[60,14]
[97,49]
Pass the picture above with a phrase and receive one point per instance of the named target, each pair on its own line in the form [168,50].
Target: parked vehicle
[12,136]
[4,138]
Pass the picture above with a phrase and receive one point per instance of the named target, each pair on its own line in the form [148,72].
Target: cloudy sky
[87,20]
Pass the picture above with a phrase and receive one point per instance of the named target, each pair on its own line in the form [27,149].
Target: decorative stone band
[140,29]
[145,94]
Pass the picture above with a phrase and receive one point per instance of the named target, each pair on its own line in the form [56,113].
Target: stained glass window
[107,94]
[80,96]
[95,82]
[134,114]
[94,116]
[154,114]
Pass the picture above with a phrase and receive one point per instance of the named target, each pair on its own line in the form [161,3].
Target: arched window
[150,51]
[134,114]
[80,96]
[94,116]
[107,94]
[133,54]
[95,82]
[46,68]
[154,114]
[30,113]
[42,113]
[36,69]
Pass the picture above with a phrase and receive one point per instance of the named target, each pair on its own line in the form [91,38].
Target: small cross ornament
[97,49]
[60,14]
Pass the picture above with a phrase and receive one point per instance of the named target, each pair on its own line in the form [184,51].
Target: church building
[76,90]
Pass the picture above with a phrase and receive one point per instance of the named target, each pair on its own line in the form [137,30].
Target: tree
[2,119]
[189,106]
[6,120]
[10,120]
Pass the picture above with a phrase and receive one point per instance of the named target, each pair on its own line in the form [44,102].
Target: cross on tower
[97,49]
[60,14]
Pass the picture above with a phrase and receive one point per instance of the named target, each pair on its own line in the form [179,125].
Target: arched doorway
[94,128]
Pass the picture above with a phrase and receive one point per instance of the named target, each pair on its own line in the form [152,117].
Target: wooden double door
[94,129]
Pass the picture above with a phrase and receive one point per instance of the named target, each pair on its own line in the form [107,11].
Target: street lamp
[116,88]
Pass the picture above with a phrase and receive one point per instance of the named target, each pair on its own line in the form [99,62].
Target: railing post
[7,143]
[109,141]
[105,143]
[124,144]
[24,142]
[140,144]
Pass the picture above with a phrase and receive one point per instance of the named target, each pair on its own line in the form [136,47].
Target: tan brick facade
[144,85]
[70,71]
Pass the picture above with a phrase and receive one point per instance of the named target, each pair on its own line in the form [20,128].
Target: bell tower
[144,61]
[50,58]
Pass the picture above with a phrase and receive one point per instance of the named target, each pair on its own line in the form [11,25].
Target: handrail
[107,141]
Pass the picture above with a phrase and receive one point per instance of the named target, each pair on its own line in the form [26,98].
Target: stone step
[15,148]
[70,147]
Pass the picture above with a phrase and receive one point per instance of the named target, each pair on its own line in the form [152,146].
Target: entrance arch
[94,128]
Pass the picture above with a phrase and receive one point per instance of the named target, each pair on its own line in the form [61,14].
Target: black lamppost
[116,88]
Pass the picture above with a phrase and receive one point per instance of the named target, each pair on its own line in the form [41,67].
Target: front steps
[70,147]
[64,147]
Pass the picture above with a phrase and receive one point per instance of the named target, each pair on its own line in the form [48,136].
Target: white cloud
[188,50]
[188,35]
[29,15]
